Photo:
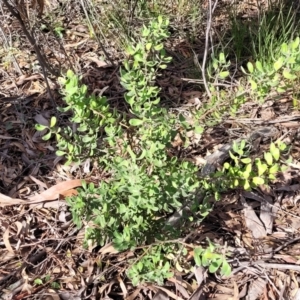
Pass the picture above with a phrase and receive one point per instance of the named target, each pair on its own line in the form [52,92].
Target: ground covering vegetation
[149,149]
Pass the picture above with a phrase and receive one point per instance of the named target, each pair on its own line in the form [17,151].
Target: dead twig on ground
[211,10]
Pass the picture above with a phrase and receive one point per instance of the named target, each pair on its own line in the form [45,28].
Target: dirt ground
[41,249]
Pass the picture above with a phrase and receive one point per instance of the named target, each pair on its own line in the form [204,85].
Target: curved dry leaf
[6,200]
[52,296]
[200,274]
[123,287]
[160,295]
[54,192]
[169,293]
[199,295]
[182,290]
[253,223]
[256,289]
[108,248]
[133,295]
[235,292]
[19,226]
[6,241]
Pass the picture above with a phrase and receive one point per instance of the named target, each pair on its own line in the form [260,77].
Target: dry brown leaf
[160,295]
[4,137]
[37,181]
[108,248]
[266,215]
[40,119]
[235,292]
[56,190]
[169,293]
[198,295]
[133,295]
[23,78]
[253,223]
[182,290]
[6,200]
[123,287]
[99,63]
[296,294]
[256,289]
[52,296]
[200,275]
[6,241]
[19,226]
[69,193]
[75,44]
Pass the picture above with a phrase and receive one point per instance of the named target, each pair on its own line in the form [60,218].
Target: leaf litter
[40,244]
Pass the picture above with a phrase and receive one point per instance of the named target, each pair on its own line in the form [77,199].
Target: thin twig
[7,44]
[43,63]
[207,37]
[31,39]
[98,40]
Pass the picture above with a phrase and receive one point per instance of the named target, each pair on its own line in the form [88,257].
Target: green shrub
[146,183]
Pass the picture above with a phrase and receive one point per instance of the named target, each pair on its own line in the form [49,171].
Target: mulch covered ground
[41,249]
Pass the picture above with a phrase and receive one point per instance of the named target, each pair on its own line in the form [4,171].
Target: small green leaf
[40,127]
[226,269]
[232,156]
[282,146]
[197,253]
[246,185]
[204,259]
[272,177]
[222,58]
[136,122]
[286,74]
[284,48]
[148,46]
[131,153]
[275,151]
[236,182]
[278,64]
[281,89]
[214,266]
[258,181]
[262,168]
[158,47]
[160,19]
[246,160]
[38,281]
[259,66]
[55,285]
[274,169]
[145,32]
[226,166]
[248,169]
[223,74]
[199,129]
[235,147]
[253,85]
[268,158]
[250,67]
[53,122]
[60,153]
[87,139]
[47,136]
[295,43]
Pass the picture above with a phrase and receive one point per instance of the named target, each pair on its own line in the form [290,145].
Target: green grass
[261,37]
